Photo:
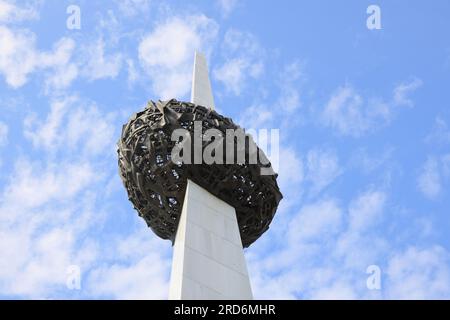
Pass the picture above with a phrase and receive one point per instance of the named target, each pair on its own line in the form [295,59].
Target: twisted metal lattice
[156,185]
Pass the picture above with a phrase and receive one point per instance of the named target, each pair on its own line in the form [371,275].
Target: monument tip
[201,92]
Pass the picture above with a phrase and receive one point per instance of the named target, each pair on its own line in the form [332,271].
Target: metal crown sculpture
[156,185]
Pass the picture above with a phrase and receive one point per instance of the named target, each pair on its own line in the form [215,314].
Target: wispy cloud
[351,114]
[429,181]
[434,175]
[227,6]
[289,83]
[243,60]
[131,274]
[19,56]
[3,133]
[323,168]
[52,207]
[10,12]
[98,65]
[166,53]
[131,8]
[419,273]
[40,222]
[440,134]
[348,239]
[324,227]
[369,162]
[316,220]
[72,125]
[403,90]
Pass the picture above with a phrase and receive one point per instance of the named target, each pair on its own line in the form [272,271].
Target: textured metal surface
[156,185]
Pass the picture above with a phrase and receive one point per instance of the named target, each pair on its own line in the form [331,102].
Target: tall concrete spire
[208,257]
[201,87]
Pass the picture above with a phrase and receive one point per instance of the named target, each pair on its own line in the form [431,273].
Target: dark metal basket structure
[156,185]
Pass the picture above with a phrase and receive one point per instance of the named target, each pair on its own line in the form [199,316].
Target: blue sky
[364,141]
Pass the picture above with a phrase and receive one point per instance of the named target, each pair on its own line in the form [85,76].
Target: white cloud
[41,266]
[290,99]
[97,65]
[351,114]
[321,229]
[243,60]
[429,181]
[9,12]
[133,7]
[168,51]
[63,71]
[73,125]
[434,176]
[440,134]
[289,84]
[337,290]
[445,165]
[139,270]
[32,186]
[350,243]
[227,6]
[419,273]
[48,213]
[51,211]
[343,107]
[232,74]
[402,91]
[316,221]
[49,207]
[3,133]
[262,115]
[39,221]
[291,169]
[132,72]
[366,162]
[365,211]
[256,117]
[323,168]
[19,58]
[144,279]
[359,246]
[46,132]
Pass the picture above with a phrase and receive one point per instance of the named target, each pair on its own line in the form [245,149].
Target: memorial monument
[210,211]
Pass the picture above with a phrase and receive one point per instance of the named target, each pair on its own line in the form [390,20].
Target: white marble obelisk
[201,92]
[208,258]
